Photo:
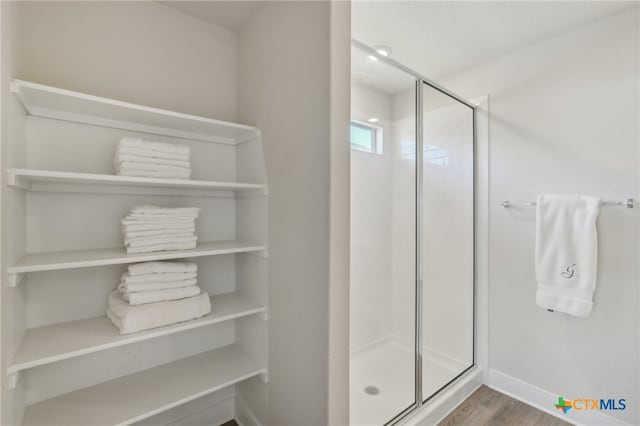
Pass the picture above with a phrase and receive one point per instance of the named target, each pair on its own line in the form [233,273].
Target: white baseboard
[544,400]
[244,415]
[446,401]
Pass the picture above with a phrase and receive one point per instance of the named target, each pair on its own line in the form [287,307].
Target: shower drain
[371,390]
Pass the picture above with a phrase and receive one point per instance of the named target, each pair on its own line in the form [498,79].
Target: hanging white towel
[566,252]
[131,319]
[161,267]
[153,296]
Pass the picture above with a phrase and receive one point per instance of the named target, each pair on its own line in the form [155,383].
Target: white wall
[371,261]
[564,118]
[12,316]
[284,64]
[142,52]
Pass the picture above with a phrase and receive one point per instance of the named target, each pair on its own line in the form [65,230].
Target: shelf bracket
[12,380]
[264,376]
[14,279]
[14,181]
[265,315]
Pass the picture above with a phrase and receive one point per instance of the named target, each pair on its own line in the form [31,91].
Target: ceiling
[226,14]
[440,38]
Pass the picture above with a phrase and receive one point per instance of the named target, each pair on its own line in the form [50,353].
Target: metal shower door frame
[420,82]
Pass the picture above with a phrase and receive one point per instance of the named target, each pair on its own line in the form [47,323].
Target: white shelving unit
[48,191]
[154,390]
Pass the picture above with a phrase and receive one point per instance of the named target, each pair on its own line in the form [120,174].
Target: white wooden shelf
[46,345]
[51,261]
[141,395]
[52,102]
[28,178]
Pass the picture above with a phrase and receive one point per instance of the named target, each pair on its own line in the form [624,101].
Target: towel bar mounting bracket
[265,376]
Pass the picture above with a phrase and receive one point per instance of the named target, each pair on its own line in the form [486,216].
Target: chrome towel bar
[628,203]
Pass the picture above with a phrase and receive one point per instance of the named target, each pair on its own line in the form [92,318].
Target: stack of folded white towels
[137,157]
[150,228]
[155,294]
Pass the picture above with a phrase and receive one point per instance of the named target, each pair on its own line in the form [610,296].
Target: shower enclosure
[412,239]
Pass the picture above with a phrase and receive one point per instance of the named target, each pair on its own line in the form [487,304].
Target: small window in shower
[365,137]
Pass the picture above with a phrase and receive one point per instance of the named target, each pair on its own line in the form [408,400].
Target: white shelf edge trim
[123,340]
[22,88]
[37,262]
[23,178]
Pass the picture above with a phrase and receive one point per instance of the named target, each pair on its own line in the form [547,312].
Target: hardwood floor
[486,407]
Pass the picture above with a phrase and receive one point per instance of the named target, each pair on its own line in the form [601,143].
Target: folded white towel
[162,247]
[566,252]
[154,241]
[158,232]
[160,266]
[122,158]
[133,142]
[129,220]
[127,278]
[131,319]
[138,226]
[153,174]
[148,209]
[124,150]
[134,219]
[153,296]
[152,167]
[155,285]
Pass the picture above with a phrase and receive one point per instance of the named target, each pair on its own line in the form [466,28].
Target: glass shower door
[447,245]
[383,241]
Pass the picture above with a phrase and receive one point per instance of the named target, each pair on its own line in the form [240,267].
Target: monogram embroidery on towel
[569,272]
